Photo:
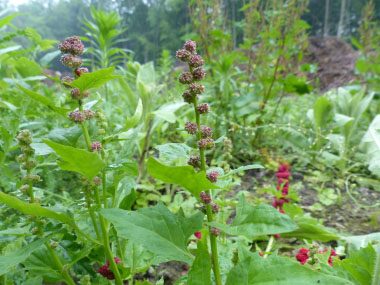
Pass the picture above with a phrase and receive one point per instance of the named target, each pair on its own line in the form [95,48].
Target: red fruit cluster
[303,255]
[105,270]
[283,175]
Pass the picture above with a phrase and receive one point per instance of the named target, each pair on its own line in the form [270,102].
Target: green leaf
[242,168]
[135,119]
[18,256]
[167,112]
[26,67]
[66,136]
[276,270]
[200,271]
[89,164]
[44,101]
[356,242]
[33,209]
[93,79]
[182,175]
[157,229]
[370,144]
[174,153]
[322,112]
[261,219]
[360,265]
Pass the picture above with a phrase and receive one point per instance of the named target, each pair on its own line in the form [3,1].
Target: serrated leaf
[89,164]
[200,271]
[277,270]
[93,79]
[18,256]
[181,175]
[157,229]
[261,219]
[44,101]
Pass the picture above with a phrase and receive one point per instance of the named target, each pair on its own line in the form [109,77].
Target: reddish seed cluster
[89,114]
[194,161]
[206,199]
[207,143]
[191,128]
[303,255]
[72,45]
[77,117]
[198,235]
[206,132]
[212,176]
[105,270]
[71,48]
[96,146]
[283,175]
[203,108]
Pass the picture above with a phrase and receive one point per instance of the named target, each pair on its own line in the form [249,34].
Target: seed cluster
[26,163]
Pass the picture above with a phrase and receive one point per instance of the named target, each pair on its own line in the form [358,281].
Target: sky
[17,2]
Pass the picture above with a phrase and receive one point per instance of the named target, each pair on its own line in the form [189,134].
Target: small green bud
[54,244]
[101,132]
[30,164]
[24,188]
[21,158]
[27,150]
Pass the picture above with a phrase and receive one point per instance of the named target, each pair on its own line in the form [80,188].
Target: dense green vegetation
[175,142]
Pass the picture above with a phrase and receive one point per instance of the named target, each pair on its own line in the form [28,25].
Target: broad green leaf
[182,175]
[41,149]
[311,230]
[356,242]
[157,229]
[93,79]
[200,271]
[322,112]
[360,265]
[276,270]
[44,101]
[27,68]
[135,119]
[18,256]
[167,112]
[261,219]
[33,209]
[174,153]
[6,20]
[40,264]
[66,136]
[370,144]
[89,164]
[242,168]
[9,49]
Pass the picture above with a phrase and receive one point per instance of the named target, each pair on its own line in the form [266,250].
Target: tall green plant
[104,33]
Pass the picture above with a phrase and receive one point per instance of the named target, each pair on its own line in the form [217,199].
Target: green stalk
[214,248]
[92,215]
[106,242]
[31,193]
[58,263]
[269,246]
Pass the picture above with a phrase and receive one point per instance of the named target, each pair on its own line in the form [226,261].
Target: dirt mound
[336,61]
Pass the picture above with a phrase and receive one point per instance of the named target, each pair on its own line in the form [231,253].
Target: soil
[336,61]
[347,218]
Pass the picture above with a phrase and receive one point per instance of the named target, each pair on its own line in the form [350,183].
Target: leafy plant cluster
[108,173]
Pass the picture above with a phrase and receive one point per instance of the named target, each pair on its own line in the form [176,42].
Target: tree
[326,25]
[341,19]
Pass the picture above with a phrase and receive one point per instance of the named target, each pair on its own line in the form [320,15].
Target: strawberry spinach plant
[99,238]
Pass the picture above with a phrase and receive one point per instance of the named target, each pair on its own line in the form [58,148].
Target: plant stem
[92,215]
[84,129]
[31,193]
[269,246]
[58,263]
[214,248]
[106,242]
